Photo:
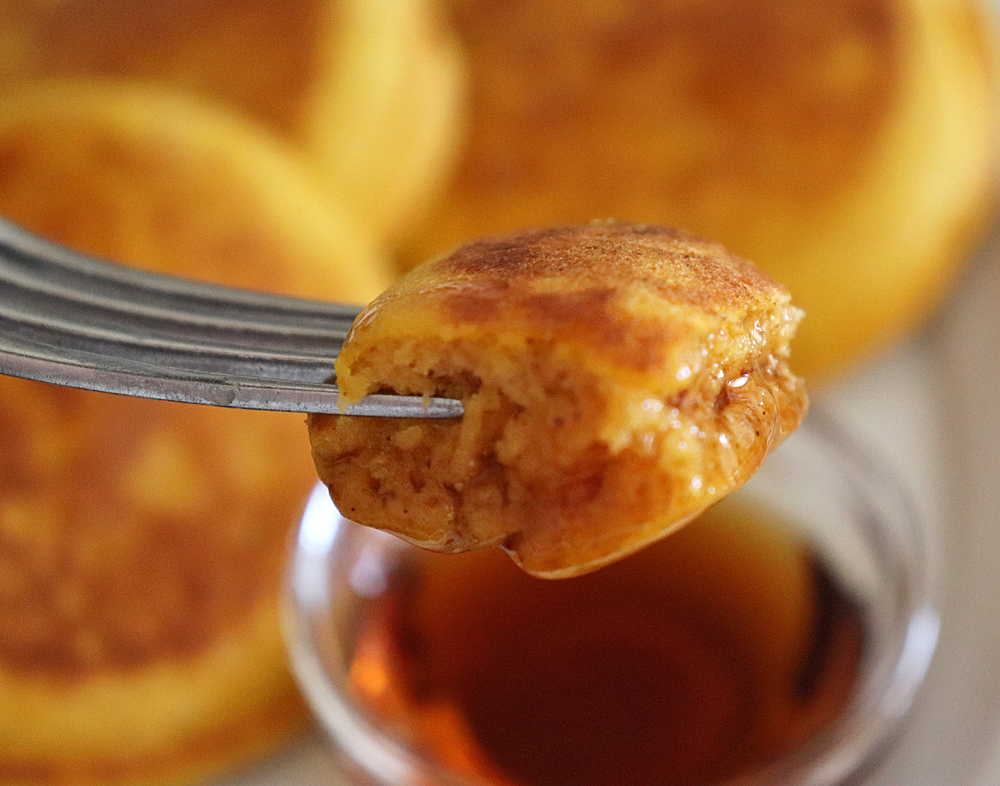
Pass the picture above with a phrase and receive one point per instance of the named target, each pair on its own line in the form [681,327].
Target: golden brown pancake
[617,380]
[141,556]
[166,181]
[849,148]
[142,543]
[370,91]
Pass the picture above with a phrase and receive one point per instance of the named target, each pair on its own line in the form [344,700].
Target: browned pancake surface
[132,533]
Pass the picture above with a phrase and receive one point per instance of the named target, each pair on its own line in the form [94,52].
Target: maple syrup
[702,657]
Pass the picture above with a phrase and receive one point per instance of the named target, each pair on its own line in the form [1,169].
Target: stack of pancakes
[143,543]
[370,91]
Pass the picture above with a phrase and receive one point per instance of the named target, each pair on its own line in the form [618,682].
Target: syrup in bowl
[777,639]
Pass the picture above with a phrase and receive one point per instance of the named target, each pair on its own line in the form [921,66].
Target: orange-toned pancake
[142,543]
[849,147]
[616,379]
[370,90]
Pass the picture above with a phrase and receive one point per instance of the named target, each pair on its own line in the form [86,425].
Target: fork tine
[70,319]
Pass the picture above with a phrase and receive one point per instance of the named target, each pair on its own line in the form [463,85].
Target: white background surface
[933,409]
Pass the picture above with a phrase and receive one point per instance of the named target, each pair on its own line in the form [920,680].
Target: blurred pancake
[388,136]
[370,90]
[848,148]
[141,555]
[168,182]
[142,543]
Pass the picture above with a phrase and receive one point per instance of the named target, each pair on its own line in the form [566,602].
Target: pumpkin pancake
[849,147]
[371,91]
[617,380]
[142,543]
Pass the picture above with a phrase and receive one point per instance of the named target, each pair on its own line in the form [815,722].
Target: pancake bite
[617,380]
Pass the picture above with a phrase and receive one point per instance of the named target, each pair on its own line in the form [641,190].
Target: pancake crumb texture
[617,380]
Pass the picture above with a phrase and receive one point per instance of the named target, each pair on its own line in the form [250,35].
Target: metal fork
[69,319]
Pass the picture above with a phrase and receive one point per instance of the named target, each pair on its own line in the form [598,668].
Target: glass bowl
[839,501]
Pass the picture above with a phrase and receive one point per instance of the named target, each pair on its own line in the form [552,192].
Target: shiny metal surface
[69,319]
